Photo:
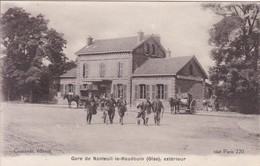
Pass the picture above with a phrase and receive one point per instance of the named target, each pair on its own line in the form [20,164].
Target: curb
[242,125]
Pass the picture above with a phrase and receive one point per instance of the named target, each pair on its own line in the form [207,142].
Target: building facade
[134,68]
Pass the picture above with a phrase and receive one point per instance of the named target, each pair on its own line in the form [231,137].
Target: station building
[135,67]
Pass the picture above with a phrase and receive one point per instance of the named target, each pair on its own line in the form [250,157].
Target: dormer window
[147,48]
[191,70]
[153,50]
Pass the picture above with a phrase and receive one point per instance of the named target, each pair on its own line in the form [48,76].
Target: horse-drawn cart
[185,103]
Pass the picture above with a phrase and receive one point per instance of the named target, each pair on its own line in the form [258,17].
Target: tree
[34,53]
[235,41]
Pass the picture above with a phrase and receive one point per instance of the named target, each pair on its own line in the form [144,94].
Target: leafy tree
[235,41]
[34,54]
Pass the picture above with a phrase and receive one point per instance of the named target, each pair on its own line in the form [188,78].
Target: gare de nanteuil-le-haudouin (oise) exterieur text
[136,68]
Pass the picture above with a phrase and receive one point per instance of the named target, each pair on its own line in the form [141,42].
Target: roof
[125,44]
[70,73]
[170,66]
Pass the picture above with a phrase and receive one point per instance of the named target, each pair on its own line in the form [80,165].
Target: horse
[174,104]
[71,98]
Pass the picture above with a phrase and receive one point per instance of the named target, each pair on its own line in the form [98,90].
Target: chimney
[140,36]
[89,41]
[168,53]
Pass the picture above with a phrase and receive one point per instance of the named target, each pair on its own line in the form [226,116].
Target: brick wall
[111,69]
[110,61]
[196,71]
[193,87]
[140,55]
[153,81]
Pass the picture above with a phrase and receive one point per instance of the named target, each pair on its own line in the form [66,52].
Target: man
[157,108]
[111,105]
[104,108]
[140,113]
[121,105]
[147,110]
[90,107]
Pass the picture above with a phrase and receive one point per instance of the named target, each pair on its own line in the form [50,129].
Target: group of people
[109,105]
[147,107]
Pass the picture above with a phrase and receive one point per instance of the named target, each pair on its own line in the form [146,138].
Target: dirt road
[58,130]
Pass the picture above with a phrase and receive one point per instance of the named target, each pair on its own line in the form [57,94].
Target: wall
[140,55]
[169,81]
[111,71]
[185,71]
[193,87]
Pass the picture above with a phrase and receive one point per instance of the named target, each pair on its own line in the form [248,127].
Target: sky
[182,26]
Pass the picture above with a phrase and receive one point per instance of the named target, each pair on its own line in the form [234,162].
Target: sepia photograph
[133,82]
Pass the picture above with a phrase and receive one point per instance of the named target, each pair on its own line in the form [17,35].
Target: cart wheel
[193,107]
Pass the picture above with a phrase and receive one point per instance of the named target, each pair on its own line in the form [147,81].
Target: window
[71,87]
[62,89]
[147,51]
[153,50]
[85,70]
[191,70]
[119,90]
[102,70]
[85,86]
[142,88]
[120,69]
[160,90]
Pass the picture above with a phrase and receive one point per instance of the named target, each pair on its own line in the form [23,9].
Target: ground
[61,130]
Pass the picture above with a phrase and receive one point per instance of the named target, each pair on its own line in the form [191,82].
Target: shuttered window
[85,70]
[70,87]
[148,91]
[119,90]
[153,92]
[62,89]
[114,90]
[147,49]
[125,92]
[160,91]
[120,68]
[74,89]
[142,91]
[153,50]
[191,70]
[66,89]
